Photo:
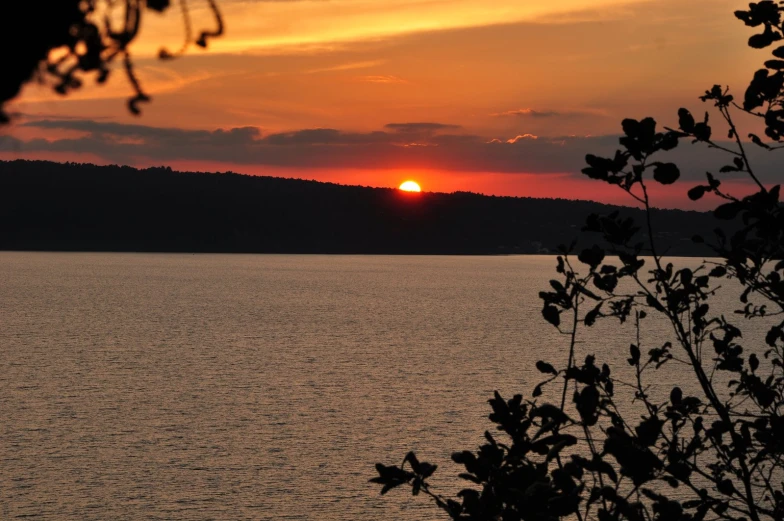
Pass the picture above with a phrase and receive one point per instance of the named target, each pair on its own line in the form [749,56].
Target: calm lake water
[232,387]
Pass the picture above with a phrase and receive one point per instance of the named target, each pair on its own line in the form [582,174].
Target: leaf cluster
[614,448]
[64,40]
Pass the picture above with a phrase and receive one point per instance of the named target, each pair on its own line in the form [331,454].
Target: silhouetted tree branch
[61,41]
[723,448]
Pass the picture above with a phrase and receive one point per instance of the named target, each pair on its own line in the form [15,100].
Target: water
[231,387]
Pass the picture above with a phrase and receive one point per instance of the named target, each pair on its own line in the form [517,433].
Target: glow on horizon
[426,75]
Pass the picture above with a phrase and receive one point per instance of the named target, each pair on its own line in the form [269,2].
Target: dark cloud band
[399,145]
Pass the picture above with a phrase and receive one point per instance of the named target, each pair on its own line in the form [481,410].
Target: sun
[410,186]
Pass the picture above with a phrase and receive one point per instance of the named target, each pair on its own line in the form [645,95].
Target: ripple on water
[231,387]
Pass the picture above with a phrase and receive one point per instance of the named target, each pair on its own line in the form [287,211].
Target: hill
[83,207]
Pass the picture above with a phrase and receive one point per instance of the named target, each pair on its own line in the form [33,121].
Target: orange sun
[410,186]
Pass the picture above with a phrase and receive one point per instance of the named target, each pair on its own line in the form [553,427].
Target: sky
[500,97]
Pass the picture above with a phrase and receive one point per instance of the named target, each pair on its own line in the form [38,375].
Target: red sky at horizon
[501,98]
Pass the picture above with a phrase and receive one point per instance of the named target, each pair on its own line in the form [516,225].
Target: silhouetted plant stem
[735,445]
[741,149]
[93,33]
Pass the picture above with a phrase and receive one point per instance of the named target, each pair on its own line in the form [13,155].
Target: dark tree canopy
[63,40]
[588,444]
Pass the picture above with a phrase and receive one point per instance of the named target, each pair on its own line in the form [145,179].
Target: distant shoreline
[340,254]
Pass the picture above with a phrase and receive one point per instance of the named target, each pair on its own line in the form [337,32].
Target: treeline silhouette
[84,207]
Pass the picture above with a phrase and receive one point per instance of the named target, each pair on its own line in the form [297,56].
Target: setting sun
[410,186]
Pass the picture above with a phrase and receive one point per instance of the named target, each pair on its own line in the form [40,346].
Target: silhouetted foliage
[51,206]
[609,449]
[66,38]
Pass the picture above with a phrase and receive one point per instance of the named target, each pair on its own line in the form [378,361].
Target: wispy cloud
[526,113]
[155,79]
[347,66]
[381,79]
[519,137]
[548,113]
[302,24]
[420,127]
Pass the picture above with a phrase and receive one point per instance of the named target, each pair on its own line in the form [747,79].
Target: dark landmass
[80,207]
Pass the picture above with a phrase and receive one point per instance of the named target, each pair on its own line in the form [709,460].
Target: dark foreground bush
[609,449]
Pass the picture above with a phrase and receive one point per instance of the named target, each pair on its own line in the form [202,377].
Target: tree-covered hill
[52,206]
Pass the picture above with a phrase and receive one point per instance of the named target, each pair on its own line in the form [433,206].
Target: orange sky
[512,88]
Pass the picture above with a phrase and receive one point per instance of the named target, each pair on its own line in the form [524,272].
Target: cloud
[524,113]
[323,136]
[155,80]
[541,114]
[425,145]
[272,25]
[151,136]
[518,138]
[18,115]
[410,128]
[346,67]
[381,79]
